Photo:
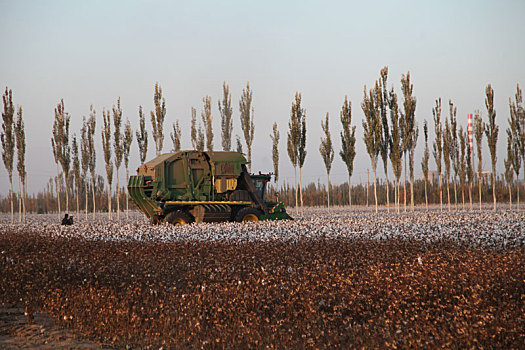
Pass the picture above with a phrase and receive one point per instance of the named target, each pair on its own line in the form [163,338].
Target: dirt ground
[16,332]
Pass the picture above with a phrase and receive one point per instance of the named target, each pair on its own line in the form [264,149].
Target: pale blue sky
[92,52]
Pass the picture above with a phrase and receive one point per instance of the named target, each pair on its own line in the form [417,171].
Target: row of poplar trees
[396,137]
[13,137]
[75,157]
[390,131]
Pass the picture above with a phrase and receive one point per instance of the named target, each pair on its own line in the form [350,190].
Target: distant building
[433,177]
[486,176]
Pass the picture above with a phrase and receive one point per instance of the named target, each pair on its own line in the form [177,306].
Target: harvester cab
[260,181]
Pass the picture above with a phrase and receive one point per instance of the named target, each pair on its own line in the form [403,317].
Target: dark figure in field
[67,220]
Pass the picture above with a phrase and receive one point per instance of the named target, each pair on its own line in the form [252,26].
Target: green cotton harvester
[192,186]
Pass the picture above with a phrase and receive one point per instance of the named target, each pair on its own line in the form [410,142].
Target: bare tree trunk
[462,189]
[470,194]
[93,191]
[518,198]
[58,191]
[426,196]
[12,206]
[455,194]
[301,189]
[479,186]
[25,196]
[448,195]
[398,196]
[510,196]
[67,193]
[109,201]
[375,186]
[86,196]
[296,194]
[367,185]
[395,194]
[412,191]
[405,183]
[328,191]
[127,194]
[494,187]
[440,192]
[118,198]
[19,200]
[387,189]
[349,192]
[523,183]
[78,206]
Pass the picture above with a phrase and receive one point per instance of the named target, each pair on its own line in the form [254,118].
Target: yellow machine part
[224,185]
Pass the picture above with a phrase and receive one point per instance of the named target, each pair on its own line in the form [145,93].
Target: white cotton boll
[477,229]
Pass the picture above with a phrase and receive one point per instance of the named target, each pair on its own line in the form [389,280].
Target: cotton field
[329,279]
[475,228]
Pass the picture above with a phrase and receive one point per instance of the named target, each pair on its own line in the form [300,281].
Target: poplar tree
[462,171]
[294,139]
[8,140]
[226,118]
[491,131]
[275,151]
[157,118]
[193,128]
[247,125]
[372,131]
[412,151]
[424,162]
[479,126]
[470,173]
[292,154]
[382,105]
[327,151]
[517,132]
[54,147]
[514,155]
[438,146]
[92,152]
[396,149]
[409,128]
[207,122]
[20,163]
[118,147]
[347,152]
[447,149]
[509,173]
[84,158]
[106,146]
[142,137]
[301,156]
[197,135]
[521,117]
[61,144]
[239,144]
[76,170]
[454,148]
[176,136]
[126,146]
